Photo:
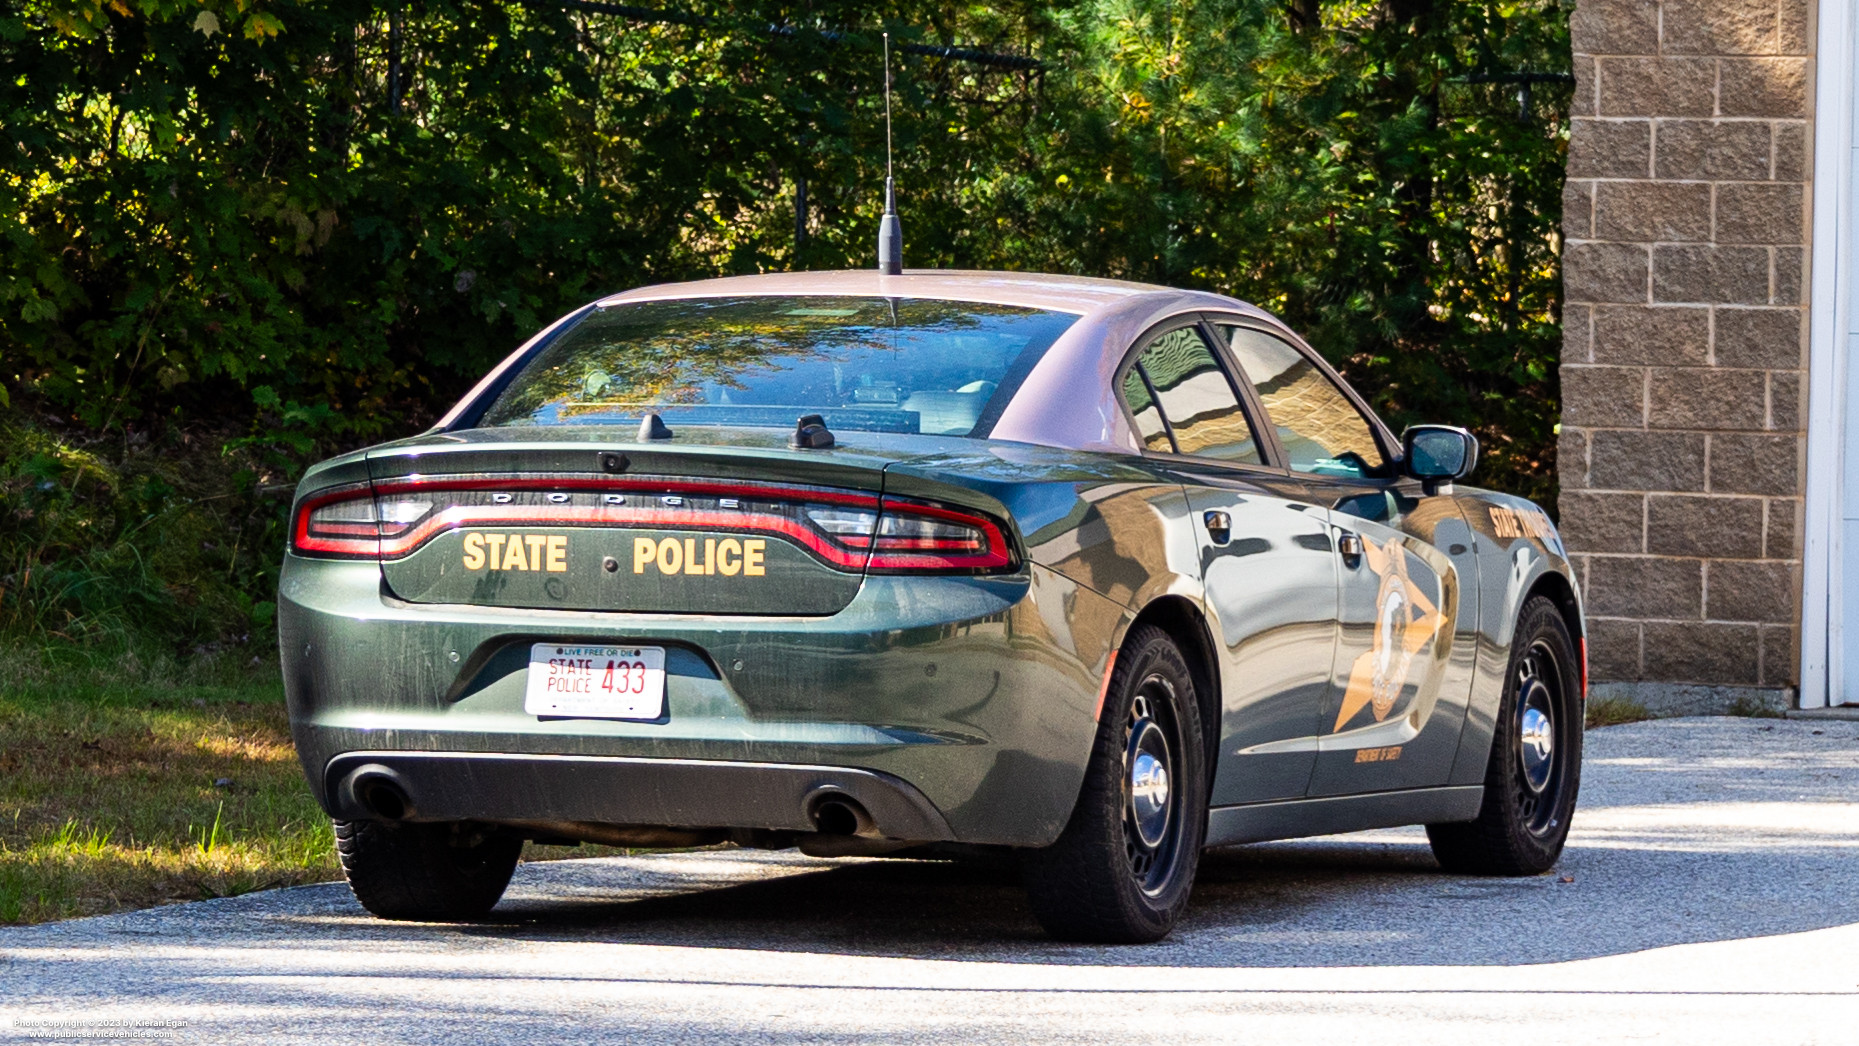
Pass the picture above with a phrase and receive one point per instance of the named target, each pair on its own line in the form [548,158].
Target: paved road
[1715,897]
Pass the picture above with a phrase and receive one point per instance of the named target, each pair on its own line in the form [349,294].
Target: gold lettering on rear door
[1520,523]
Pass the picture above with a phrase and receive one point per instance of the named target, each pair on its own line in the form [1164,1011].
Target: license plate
[596,682]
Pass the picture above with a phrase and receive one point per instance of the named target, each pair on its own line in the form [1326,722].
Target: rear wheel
[439,872]
[1535,767]
[1122,869]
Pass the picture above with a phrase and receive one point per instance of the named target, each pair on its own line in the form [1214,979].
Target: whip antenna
[890,232]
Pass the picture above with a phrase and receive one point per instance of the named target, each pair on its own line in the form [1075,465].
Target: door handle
[1219,526]
[1350,545]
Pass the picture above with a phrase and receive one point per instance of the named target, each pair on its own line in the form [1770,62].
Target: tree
[243,208]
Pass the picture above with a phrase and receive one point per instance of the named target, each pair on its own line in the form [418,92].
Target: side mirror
[1436,455]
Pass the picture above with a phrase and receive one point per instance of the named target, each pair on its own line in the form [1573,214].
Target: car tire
[1534,772]
[1121,871]
[437,872]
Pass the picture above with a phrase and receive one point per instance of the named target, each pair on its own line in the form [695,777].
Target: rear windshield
[871,364]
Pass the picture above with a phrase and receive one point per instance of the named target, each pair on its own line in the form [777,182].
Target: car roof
[1075,294]
[1070,399]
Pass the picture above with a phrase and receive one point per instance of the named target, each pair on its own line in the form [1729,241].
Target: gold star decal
[1406,620]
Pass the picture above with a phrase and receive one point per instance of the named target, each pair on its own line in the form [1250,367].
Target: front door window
[1321,431]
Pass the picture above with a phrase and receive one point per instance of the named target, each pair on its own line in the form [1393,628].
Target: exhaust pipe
[835,813]
[380,792]
[844,828]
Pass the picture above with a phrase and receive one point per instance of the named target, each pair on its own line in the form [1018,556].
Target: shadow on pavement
[1691,832]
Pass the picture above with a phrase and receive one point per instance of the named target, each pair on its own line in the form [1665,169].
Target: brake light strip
[890,554]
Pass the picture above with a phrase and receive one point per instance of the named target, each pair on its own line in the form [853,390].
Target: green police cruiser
[1097,573]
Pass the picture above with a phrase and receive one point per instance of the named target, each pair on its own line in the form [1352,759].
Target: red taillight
[919,537]
[848,530]
[351,523]
[912,537]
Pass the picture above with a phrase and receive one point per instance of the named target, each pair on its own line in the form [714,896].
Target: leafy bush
[123,546]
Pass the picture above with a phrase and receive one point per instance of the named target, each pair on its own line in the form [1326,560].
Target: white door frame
[1830,338]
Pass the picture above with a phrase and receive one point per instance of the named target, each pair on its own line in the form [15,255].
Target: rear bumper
[446,786]
[963,706]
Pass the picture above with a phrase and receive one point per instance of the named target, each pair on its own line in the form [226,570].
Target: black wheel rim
[1538,728]
[1151,792]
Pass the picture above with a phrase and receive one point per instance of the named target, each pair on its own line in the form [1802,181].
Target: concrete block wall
[1684,359]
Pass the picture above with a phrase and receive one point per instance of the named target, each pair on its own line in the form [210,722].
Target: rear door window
[1181,397]
[1141,401]
[1320,429]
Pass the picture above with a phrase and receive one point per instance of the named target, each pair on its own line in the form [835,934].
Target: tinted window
[876,364]
[1196,399]
[1148,417]
[1321,430]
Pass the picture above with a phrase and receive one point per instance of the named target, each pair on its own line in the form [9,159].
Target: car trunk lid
[728,521]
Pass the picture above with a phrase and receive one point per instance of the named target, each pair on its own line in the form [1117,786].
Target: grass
[175,785]
[1753,709]
[1615,711]
[125,785]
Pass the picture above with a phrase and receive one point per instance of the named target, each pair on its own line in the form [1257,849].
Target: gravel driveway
[1710,893]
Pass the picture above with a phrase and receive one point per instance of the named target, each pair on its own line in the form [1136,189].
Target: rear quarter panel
[1108,522]
[1113,533]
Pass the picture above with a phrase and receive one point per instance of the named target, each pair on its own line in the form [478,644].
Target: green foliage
[1755,708]
[1342,173]
[1614,711]
[132,551]
[232,217]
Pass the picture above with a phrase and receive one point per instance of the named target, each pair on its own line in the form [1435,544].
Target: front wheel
[1121,871]
[1535,767]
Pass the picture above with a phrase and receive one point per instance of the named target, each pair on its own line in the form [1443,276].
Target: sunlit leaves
[210,197]
[1352,181]
[86,19]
